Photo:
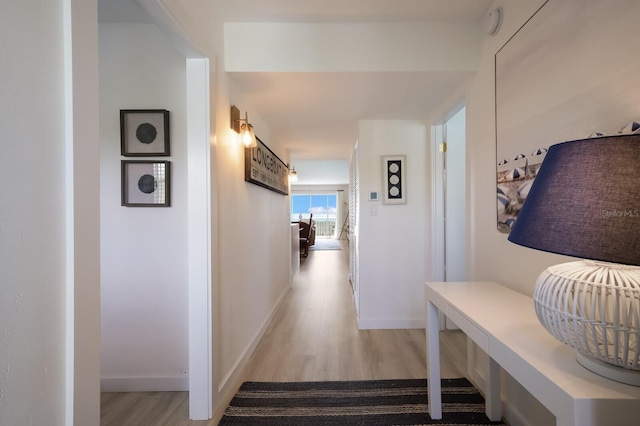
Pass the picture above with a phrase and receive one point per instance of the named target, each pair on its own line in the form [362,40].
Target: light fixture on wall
[585,202]
[244,129]
[293,175]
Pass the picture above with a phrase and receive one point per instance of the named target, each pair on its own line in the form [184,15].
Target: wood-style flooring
[312,337]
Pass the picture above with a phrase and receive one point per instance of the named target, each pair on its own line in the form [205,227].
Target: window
[323,208]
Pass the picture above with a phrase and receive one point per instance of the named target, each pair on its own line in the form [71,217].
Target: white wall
[253,246]
[391,243]
[49,274]
[321,172]
[144,250]
[250,226]
[32,301]
[491,256]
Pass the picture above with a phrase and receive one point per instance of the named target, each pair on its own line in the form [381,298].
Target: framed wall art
[554,82]
[144,132]
[394,182]
[145,183]
[264,168]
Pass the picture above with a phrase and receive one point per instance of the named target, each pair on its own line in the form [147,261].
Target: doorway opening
[449,197]
[164,295]
[449,226]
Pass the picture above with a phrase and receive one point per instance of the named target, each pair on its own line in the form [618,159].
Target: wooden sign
[262,167]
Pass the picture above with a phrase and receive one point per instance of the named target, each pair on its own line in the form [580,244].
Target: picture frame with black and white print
[144,132]
[145,183]
[394,182]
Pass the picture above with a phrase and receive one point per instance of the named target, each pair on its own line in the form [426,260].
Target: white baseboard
[242,361]
[390,324]
[230,382]
[145,384]
[513,416]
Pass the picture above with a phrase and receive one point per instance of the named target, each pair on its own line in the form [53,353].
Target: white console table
[503,323]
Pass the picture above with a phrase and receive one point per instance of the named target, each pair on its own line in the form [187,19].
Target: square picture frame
[393,179]
[145,183]
[144,133]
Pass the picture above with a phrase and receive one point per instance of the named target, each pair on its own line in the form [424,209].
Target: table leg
[433,362]
[493,403]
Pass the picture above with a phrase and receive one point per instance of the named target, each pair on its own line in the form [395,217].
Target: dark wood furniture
[307,236]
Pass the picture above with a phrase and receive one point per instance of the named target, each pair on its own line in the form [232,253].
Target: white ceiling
[353,10]
[315,115]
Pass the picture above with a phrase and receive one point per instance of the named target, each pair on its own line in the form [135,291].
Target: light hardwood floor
[312,337]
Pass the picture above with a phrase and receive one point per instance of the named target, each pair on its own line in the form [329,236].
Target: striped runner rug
[347,403]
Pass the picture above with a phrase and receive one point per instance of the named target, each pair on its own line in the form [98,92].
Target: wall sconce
[246,137]
[293,175]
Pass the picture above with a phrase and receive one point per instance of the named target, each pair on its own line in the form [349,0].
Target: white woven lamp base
[622,375]
[594,307]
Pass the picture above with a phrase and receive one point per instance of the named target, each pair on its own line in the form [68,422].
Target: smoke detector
[493,21]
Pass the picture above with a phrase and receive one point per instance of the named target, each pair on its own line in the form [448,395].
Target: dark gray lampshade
[585,201]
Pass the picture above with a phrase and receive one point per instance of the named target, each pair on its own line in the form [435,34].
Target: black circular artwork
[146,133]
[147,184]
[393,178]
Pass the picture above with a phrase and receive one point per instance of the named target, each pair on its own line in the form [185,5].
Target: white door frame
[438,237]
[437,205]
[438,201]
[199,240]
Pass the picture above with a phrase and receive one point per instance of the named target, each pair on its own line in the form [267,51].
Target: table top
[524,348]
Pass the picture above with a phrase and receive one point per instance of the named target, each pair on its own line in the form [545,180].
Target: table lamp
[585,203]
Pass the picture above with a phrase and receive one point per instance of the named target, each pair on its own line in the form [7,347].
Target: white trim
[69,219]
[145,384]
[240,363]
[438,236]
[437,191]
[82,205]
[437,207]
[231,381]
[437,270]
[199,240]
[513,416]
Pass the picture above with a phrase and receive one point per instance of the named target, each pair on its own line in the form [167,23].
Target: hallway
[313,337]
